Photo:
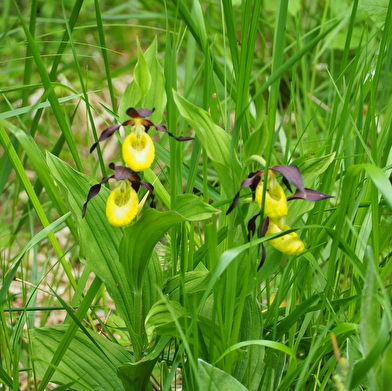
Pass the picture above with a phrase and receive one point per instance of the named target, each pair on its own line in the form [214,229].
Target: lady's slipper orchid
[138,148]
[290,243]
[275,200]
[122,204]
[275,205]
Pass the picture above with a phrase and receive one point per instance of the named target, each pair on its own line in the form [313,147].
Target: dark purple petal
[263,257]
[265,227]
[252,225]
[287,184]
[130,122]
[162,128]
[263,250]
[150,188]
[121,173]
[291,174]
[139,113]
[234,203]
[251,181]
[94,191]
[105,135]
[309,195]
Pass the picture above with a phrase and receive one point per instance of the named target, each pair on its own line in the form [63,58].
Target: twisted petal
[290,243]
[138,151]
[275,205]
[105,135]
[122,204]
[252,181]
[309,195]
[162,128]
[139,113]
[291,174]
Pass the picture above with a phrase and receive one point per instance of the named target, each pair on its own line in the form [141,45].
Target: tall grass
[176,298]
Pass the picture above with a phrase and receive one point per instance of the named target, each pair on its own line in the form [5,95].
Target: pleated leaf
[89,366]
[141,237]
[214,379]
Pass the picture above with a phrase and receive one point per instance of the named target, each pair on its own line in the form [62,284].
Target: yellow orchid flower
[275,205]
[122,203]
[138,148]
[290,243]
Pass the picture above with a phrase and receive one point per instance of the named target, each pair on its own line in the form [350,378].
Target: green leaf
[5,378]
[247,370]
[376,9]
[142,73]
[193,208]
[312,167]
[152,284]
[195,282]
[156,95]
[136,248]
[170,318]
[131,98]
[255,144]
[136,376]
[379,178]
[89,366]
[159,315]
[215,141]
[148,87]
[139,241]
[214,379]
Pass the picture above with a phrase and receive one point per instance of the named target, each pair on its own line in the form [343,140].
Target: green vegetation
[176,298]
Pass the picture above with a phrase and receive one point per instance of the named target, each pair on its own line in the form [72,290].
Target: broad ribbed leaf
[247,370]
[193,208]
[91,367]
[136,376]
[139,241]
[141,237]
[214,379]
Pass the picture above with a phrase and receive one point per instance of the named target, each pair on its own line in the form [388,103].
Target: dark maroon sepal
[309,195]
[263,249]
[162,128]
[263,257]
[234,203]
[121,173]
[252,226]
[94,191]
[129,122]
[105,135]
[139,113]
[291,174]
[251,181]
[150,188]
